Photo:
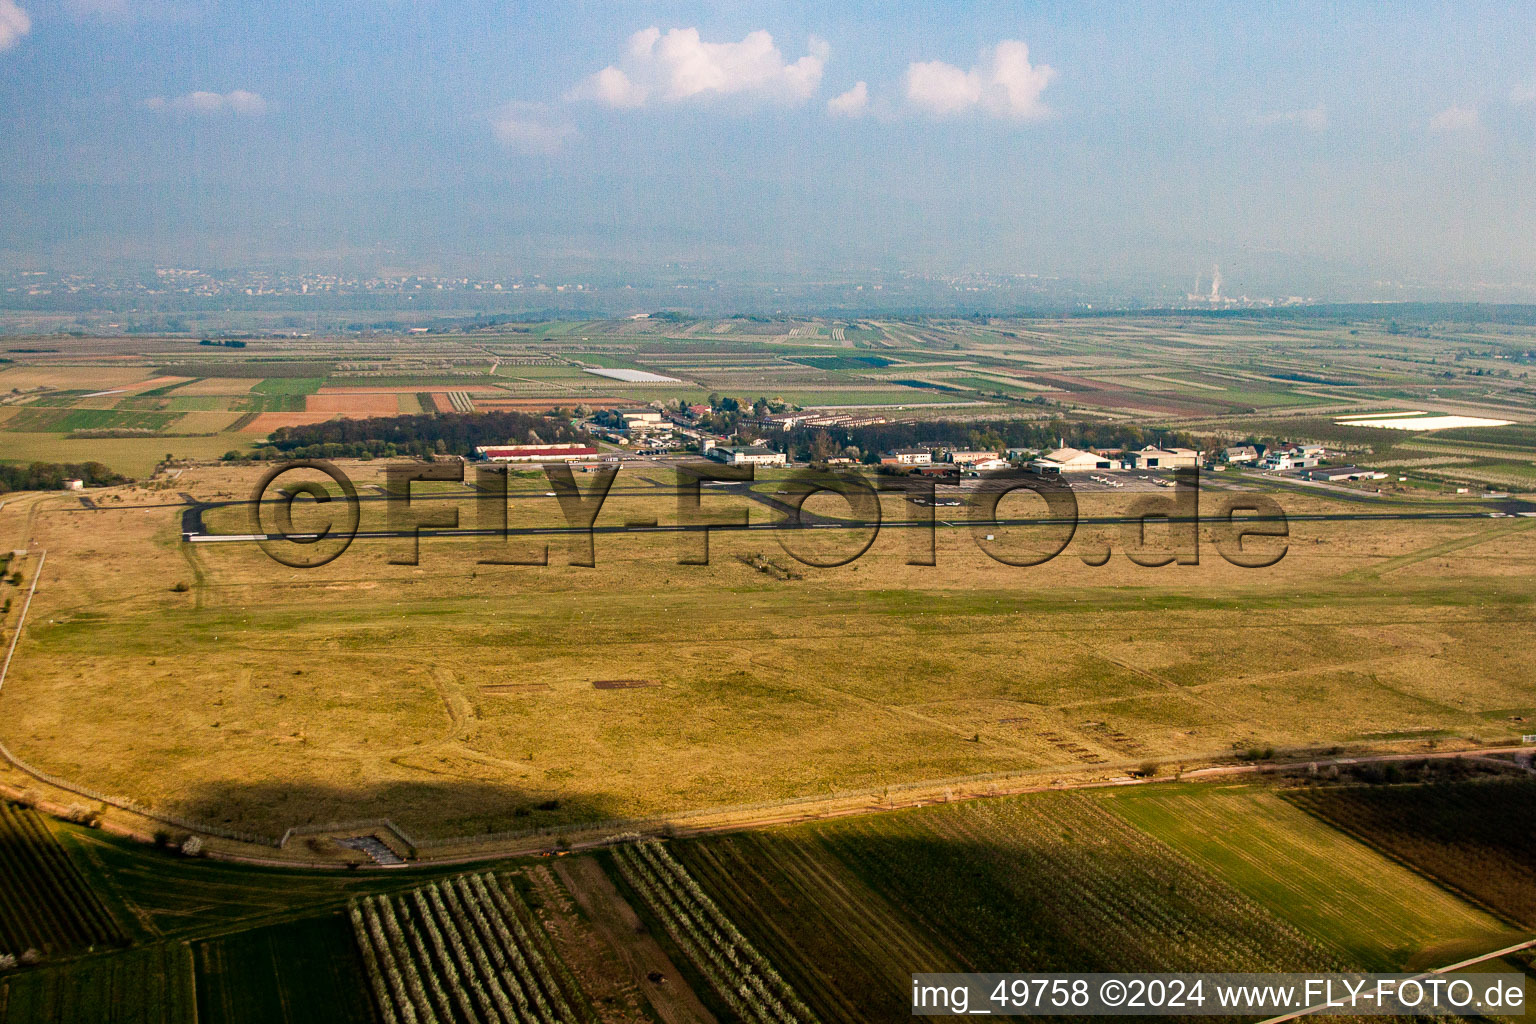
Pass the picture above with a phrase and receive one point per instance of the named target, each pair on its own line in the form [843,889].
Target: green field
[1155,371]
[836,915]
[160,895]
[137,456]
[1164,878]
[843,362]
[45,905]
[65,420]
[1368,910]
[291,972]
[1474,837]
[146,985]
[288,386]
[1057,882]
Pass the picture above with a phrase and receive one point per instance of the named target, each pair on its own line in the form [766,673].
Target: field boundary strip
[119,802]
[1448,968]
[21,622]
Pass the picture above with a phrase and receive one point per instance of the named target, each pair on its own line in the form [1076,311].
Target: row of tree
[866,443]
[50,476]
[421,435]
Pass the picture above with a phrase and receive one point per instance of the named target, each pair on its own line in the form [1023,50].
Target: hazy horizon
[1304,153]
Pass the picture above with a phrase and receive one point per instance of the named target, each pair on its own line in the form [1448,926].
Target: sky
[1320,149]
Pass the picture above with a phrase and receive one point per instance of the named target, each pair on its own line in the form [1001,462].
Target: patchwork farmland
[821,921]
[771,787]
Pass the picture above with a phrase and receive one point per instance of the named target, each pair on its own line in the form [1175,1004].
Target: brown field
[95,378]
[266,422]
[153,383]
[355,405]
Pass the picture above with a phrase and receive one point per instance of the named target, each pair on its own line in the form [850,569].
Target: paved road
[811,522]
[193,529]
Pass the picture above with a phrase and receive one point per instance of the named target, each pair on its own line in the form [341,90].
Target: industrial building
[968,458]
[1153,457]
[1071,460]
[535,452]
[642,420]
[1331,473]
[1240,454]
[1293,456]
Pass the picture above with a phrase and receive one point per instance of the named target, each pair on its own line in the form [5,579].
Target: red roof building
[535,452]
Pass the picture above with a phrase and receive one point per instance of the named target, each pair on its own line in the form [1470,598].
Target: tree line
[866,443]
[418,435]
[50,476]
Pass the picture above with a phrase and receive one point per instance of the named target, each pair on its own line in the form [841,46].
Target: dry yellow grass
[209,422]
[70,377]
[454,695]
[217,386]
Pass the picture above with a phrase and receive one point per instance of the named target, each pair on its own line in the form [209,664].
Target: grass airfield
[457,698]
[493,708]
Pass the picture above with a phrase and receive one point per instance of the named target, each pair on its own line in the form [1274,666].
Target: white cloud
[1523,93]
[852,103]
[239,101]
[1455,119]
[679,66]
[613,88]
[1003,84]
[530,128]
[14,24]
[1313,118]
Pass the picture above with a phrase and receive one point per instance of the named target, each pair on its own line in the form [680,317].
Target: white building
[1290,458]
[969,458]
[1071,460]
[1344,473]
[1153,457]
[1242,453]
[907,457]
[642,420]
[535,452]
[748,455]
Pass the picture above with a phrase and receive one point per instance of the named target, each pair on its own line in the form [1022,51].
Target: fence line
[651,823]
[122,803]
